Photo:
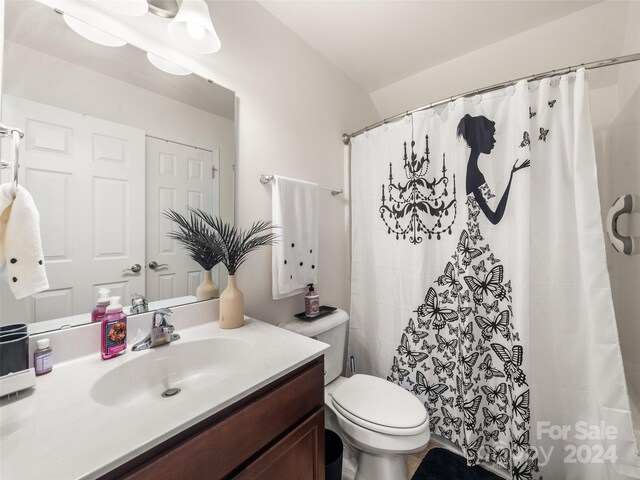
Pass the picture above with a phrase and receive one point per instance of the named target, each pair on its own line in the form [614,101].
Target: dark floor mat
[441,464]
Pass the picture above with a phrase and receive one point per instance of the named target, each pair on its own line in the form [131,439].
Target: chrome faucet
[138,304]
[161,332]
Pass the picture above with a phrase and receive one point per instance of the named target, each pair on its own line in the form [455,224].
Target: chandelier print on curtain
[462,352]
[410,204]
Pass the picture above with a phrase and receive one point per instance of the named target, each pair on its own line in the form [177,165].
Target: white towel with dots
[295,256]
[20,244]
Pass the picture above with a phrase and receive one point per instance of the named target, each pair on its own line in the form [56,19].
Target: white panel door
[87,178]
[177,176]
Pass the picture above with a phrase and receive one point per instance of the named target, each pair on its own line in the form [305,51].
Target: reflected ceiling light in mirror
[192,28]
[166,66]
[130,8]
[92,33]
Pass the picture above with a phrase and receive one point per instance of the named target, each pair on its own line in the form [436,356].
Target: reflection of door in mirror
[86,178]
[177,176]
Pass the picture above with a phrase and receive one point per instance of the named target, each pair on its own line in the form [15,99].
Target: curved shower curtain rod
[346,138]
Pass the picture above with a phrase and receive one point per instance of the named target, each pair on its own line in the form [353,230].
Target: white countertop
[59,432]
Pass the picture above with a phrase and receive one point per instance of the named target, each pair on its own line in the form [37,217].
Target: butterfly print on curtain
[462,360]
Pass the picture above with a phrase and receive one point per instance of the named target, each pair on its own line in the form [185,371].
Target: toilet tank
[331,330]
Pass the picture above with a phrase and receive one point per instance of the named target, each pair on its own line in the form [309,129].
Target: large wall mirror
[110,143]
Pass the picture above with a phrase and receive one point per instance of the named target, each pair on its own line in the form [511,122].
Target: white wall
[293,108]
[590,34]
[618,155]
[623,164]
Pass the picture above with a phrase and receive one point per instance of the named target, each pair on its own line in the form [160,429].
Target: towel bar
[264,179]
[16,135]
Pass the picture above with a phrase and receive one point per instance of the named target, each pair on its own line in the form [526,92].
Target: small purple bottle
[43,357]
[113,330]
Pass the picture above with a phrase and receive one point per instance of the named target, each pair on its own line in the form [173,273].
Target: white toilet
[380,419]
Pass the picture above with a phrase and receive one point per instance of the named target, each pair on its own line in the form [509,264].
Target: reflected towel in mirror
[21,257]
[295,256]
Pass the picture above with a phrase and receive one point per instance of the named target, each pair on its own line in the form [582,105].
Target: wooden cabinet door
[298,456]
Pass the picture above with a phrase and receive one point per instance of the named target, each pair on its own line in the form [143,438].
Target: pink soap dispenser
[101,305]
[114,330]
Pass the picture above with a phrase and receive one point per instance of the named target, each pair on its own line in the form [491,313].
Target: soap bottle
[43,357]
[311,302]
[101,305]
[113,330]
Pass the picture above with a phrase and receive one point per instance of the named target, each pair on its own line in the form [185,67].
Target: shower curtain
[479,280]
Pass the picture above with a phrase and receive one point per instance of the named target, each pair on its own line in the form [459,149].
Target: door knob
[153,265]
[135,268]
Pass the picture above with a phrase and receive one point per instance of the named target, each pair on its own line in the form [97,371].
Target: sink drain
[170,392]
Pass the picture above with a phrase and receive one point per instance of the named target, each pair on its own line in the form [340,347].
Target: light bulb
[192,29]
[195,31]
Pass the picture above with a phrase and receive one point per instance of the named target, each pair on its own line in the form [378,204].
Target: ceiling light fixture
[92,33]
[130,8]
[163,8]
[165,65]
[192,28]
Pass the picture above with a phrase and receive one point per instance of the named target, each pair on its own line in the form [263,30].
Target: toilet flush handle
[325,372]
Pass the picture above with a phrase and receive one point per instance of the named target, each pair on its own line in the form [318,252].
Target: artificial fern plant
[219,240]
[203,244]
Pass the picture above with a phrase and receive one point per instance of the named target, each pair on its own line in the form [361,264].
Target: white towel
[295,256]
[20,244]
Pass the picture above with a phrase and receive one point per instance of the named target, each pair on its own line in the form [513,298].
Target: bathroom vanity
[250,406]
[277,432]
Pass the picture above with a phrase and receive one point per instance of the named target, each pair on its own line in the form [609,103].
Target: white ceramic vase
[208,288]
[231,305]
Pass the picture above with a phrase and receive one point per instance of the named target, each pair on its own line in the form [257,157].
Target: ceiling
[379,42]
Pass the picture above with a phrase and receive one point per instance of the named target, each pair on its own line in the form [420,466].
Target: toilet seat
[380,406]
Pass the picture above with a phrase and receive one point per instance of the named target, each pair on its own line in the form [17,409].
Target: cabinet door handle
[135,268]
[153,265]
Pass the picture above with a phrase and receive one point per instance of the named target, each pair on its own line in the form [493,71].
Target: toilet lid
[380,405]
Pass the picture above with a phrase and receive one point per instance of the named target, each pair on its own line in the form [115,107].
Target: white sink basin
[190,366]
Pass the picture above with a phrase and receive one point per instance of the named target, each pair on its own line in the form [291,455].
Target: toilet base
[381,467]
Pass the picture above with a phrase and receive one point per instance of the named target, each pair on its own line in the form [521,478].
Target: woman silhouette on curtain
[462,354]
[479,133]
